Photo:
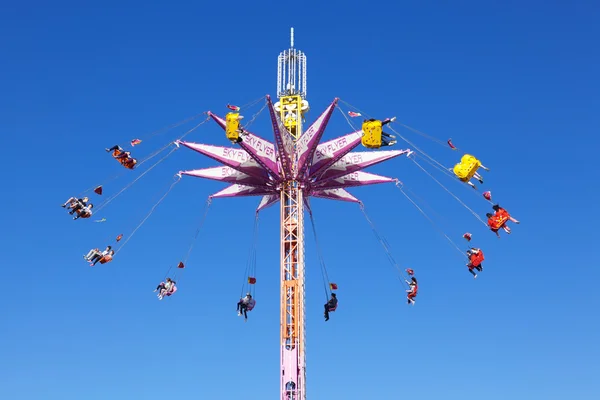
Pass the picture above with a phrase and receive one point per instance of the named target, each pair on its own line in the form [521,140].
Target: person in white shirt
[244,305]
[94,255]
[84,212]
[164,288]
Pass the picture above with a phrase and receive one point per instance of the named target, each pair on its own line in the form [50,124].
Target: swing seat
[172,291]
[371,138]
[492,223]
[466,168]
[128,162]
[497,221]
[232,126]
[84,214]
[502,213]
[501,218]
[106,259]
[477,259]
[251,305]
[334,308]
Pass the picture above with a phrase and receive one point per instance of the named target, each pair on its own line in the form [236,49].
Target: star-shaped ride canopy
[323,170]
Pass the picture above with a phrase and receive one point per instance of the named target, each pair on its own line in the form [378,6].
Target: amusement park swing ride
[296,166]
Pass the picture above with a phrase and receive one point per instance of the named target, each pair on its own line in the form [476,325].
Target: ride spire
[291,88]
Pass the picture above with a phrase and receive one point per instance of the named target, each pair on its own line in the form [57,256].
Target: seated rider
[124,157]
[476,174]
[244,305]
[165,288]
[498,220]
[386,138]
[412,292]
[91,254]
[475,259]
[95,255]
[159,289]
[169,288]
[331,305]
[85,212]
[75,204]
[478,177]
[129,162]
[106,257]
[242,132]
[116,150]
[501,211]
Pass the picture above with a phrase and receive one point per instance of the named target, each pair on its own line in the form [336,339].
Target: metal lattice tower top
[291,71]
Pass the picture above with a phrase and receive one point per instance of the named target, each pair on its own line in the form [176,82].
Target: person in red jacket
[412,292]
[475,259]
[498,220]
[502,212]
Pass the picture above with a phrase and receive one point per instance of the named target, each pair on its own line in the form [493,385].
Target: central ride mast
[291,91]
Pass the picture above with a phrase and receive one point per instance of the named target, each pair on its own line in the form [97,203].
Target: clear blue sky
[516,83]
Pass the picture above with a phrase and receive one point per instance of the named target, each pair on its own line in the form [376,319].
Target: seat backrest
[371,134]
[480,256]
[477,258]
[502,213]
[467,167]
[232,125]
[461,171]
[501,218]
[130,163]
[172,291]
